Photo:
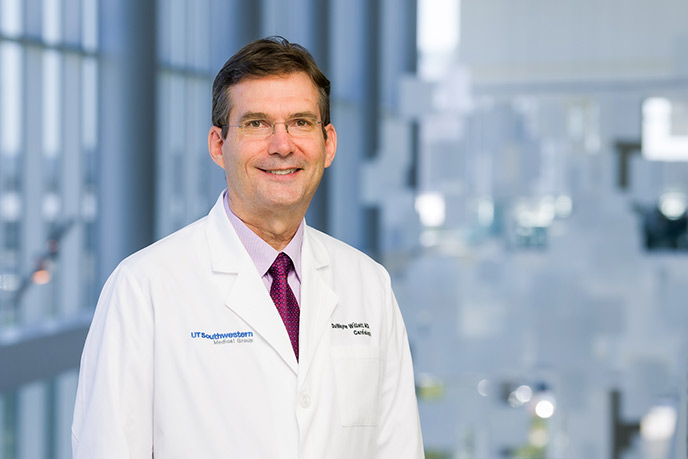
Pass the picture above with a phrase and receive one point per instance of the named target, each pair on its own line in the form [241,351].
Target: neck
[275,228]
[276,233]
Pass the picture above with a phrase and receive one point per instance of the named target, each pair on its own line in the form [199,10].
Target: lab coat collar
[250,300]
[246,296]
[227,254]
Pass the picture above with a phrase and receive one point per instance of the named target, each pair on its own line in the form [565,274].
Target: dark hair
[267,57]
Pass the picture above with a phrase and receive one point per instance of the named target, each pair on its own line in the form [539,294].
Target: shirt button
[305,400]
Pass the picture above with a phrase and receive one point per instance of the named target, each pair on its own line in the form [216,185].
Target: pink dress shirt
[263,254]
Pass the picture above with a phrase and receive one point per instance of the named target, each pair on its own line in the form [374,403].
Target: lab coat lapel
[318,300]
[250,300]
[247,296]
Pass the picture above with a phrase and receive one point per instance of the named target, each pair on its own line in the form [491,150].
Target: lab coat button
[305,400]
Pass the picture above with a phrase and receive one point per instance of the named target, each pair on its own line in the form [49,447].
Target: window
[48,156]
[187,180]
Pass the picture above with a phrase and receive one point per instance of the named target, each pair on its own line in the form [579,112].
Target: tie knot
[281,266]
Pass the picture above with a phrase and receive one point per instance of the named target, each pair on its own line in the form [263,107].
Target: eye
[302,123]
[254,124]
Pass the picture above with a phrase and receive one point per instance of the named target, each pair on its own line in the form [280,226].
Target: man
[248,334]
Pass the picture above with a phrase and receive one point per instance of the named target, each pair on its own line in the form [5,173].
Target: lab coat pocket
[357,373]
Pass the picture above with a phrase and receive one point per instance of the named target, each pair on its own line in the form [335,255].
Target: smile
[281,171]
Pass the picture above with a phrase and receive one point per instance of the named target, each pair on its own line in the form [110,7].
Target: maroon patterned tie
[284,298]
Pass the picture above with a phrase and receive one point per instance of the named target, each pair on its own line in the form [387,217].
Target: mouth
[280,171]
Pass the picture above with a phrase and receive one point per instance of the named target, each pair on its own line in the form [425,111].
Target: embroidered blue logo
[225,338]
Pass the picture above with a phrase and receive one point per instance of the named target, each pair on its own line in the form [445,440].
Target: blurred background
[521,169]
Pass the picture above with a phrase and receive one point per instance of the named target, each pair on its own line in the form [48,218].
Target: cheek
[235,163]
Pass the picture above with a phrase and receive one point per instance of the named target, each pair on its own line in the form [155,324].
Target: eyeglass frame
[273,124]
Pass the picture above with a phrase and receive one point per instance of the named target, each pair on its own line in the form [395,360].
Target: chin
[288,203]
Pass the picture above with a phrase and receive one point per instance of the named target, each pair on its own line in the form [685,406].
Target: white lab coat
[187,357]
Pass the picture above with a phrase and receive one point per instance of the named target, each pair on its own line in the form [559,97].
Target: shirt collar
[262,253]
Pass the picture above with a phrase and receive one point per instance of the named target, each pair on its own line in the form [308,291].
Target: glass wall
[48,151]
[48,143]
[188,181]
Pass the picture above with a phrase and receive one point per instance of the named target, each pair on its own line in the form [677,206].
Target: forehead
[275,94]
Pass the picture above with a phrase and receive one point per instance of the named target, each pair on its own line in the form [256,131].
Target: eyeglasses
[297,127]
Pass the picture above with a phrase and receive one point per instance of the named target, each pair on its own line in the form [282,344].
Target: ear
[215,143]
[330,144]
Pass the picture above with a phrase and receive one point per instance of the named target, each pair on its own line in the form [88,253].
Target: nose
[280,140]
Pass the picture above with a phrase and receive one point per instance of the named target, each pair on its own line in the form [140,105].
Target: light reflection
[41,276]
[89,106]
[9,282]
[10,206]
[659,141]
[673,205]
[431,209]
[564,206]
[539,215]
[547,209]
[545,408]
[11,17]
[524,393]
[486,211]
[51,206]
[659,423]
[51,103]
[538,437]
[484,387]
[51,21]
[438,22]
[513,401]
[520,396]
[11,88]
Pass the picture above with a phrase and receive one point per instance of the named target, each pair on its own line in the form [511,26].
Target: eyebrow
[265,116]
[253,116]
[310,115]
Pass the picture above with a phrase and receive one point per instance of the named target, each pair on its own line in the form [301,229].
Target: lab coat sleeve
[113,415]
[399,432]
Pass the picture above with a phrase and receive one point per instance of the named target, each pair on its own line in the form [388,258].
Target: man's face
[267,176]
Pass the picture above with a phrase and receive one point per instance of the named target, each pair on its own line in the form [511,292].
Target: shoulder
[344,256]
[336,247]
[173,249]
